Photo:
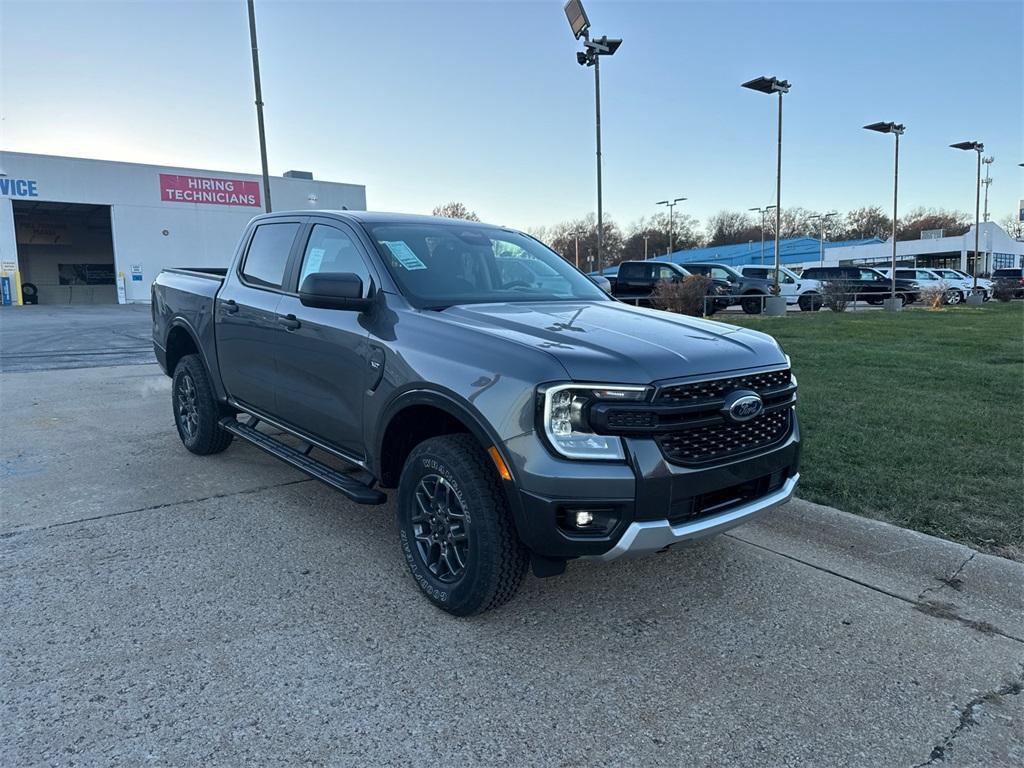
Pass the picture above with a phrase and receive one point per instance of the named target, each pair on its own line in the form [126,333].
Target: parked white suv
[965,282]
[930,278]
[804,292]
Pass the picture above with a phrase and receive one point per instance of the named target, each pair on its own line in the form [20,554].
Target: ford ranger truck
[522,421]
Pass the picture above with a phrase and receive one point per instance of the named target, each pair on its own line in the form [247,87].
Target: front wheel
[810,302]
[953,296]
[455,527]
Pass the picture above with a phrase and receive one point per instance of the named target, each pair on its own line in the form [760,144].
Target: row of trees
[648,237]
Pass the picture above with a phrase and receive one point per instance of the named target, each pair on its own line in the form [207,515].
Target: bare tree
[728,227]
[916,221]
[1014,227]
[562,239]
[685,234]
[455,210]
[862,223]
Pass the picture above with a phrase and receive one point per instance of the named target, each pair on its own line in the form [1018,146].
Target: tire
[953,296]
[874,302]
[903,299]
[752,303]
[810,302]
[196,410]
[449,491]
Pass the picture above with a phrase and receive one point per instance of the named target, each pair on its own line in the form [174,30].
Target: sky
[484,103]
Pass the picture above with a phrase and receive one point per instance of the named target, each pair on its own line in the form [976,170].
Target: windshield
[438,265]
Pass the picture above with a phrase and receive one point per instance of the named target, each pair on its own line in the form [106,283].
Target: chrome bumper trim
[648,536]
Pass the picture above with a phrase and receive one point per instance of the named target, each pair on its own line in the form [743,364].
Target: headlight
[564,418]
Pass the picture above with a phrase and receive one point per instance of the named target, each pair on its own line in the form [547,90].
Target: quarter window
[268,254]
[331,250]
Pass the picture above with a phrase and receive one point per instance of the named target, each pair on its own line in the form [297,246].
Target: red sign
[208,191]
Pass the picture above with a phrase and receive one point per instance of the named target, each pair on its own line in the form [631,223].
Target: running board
[355,490]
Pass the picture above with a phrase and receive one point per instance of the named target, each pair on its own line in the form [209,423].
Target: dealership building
[75,231]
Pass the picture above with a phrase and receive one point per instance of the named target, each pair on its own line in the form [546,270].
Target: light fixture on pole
[259,104]
[987,181]
[590,56]
[897,130]
[978,147]
[762,211]
[772,85]
[671,207]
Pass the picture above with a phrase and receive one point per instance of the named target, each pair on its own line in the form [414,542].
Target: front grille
[704,390]
[718,441]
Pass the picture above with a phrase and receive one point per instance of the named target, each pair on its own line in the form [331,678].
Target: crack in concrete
[32,529]
[944,611]
[941,750]
[952,581]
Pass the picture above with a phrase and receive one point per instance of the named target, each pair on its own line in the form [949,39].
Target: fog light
[584,518]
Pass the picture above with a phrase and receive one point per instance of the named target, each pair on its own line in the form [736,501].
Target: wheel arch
[416,415]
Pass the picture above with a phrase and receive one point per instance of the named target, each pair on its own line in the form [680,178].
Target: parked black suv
[866,284]
[636,281]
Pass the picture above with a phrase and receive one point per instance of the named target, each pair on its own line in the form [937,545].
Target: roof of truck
[382,217]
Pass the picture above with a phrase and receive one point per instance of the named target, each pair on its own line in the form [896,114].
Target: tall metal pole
[597,112]
[645,246]
[977,224]
[576,235]
[259,104]
[671,207]
[763,212]
[895,198]
[778,199]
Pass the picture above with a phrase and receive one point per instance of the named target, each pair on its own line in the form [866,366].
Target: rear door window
[267,257]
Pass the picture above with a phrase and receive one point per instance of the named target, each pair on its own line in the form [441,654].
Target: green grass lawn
[915,418]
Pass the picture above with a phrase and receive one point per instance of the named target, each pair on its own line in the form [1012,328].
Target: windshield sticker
[314,259]
[404,254]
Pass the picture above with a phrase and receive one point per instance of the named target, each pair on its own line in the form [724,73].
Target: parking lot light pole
[978,147]
[774,85]
[823,218]
[259,104]
[762,211]
[590,56]
[897,130]
[671,207]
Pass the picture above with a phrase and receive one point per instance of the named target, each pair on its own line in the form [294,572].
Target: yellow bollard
[17,288]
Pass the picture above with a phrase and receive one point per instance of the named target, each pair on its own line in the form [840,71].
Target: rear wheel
[455,528]
[196,409]
[953,296]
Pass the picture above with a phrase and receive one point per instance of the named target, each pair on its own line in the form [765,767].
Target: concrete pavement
[165,609]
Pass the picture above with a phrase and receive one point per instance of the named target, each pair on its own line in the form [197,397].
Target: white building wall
[198,234]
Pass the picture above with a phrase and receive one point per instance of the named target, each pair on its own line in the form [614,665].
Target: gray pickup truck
[523,421]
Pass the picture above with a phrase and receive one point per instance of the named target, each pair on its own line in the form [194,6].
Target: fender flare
[213,373]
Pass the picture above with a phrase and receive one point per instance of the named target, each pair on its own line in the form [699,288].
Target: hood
[607,341]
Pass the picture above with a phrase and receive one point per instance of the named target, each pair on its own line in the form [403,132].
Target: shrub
[836,295]
[934,296]
[685,297]
[1003,290]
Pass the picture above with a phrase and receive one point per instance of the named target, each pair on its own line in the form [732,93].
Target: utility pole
[645,246]
[259,105]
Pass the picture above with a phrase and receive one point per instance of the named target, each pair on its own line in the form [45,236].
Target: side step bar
[351,487]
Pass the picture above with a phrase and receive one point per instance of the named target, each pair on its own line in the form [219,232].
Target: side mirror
[334,290]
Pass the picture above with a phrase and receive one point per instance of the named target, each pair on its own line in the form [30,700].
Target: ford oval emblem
[742,405]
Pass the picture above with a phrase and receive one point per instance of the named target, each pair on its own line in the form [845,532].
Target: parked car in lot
[520,424]
[804,292]
[930,278]
[748,292]
[635,282]
[964,282]
[1013,276]
[866,284]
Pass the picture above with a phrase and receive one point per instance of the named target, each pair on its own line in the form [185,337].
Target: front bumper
[642,538]
[657,503]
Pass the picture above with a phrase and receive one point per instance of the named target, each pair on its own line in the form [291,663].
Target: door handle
[290,322]
[230,306]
